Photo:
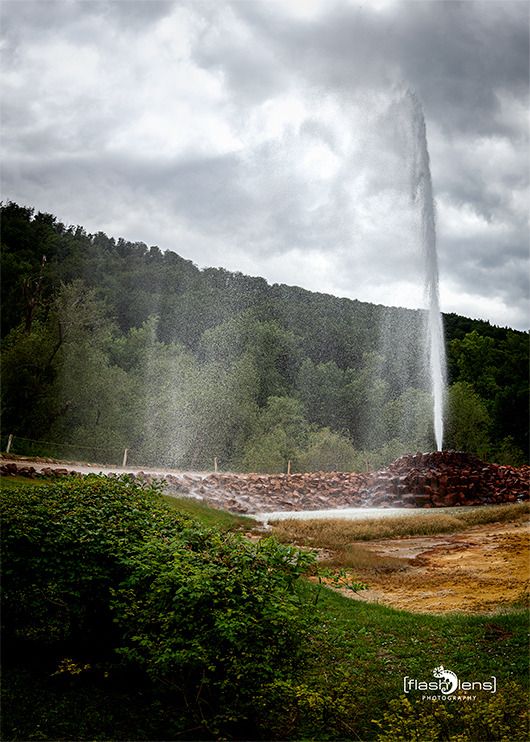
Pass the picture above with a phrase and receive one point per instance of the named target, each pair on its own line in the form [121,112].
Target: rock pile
[422,480]
[444,479]
[251,493]
[23,470]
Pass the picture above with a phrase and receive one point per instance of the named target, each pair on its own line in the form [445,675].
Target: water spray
[422,193]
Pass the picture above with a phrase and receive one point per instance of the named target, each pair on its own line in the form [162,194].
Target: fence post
[289,466]
[125,457]
[9,442]
[215,463]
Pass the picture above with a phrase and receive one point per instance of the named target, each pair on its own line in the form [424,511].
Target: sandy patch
[480,570]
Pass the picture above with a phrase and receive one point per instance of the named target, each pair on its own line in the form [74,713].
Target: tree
[409,419]
[321,389]
[272,350]
[282,432]
[29,370]
[476,360]
[96,397]
[365,395]
[327,451]
[468,421]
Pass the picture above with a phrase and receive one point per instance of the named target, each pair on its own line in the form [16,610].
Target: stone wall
[422,480]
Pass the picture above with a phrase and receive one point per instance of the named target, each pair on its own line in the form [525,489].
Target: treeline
[109,344]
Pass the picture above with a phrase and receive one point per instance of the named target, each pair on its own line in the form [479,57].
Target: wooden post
[125,457]
[215,463]
[289,466]
[9,442]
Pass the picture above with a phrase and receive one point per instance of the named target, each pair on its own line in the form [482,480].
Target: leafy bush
[64,546]
[104,566]
[213,619]
[502,717]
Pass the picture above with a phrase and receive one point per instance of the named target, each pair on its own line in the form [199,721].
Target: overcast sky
[274,138]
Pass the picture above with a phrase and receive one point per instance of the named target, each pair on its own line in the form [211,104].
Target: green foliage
[502,717]
[327,451]
[475,358]
[127,620]
[468,422]
[339,578]
[294,710]
[270,349]
[408,418]
[508,453]
[213,619]
[105,567]
[28,377]
[281,433]
[111,344]
[321,388]
[63,546]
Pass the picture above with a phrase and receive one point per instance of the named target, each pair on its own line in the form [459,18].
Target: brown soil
[483,569]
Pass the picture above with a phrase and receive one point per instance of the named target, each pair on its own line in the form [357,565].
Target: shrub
[502,717]
[104,566]
[213,624]
[64,546]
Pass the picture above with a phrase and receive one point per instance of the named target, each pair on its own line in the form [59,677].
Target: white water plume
[422,193]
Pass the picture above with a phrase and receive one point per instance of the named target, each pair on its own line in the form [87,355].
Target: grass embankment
[211,517]
[16,482]
[362,652]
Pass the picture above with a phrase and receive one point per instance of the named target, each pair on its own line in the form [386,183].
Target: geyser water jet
[423,195]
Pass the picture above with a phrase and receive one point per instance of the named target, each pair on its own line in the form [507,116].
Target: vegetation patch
[102,579]
[210,516]
[114,345]
[16,482]
[335,534]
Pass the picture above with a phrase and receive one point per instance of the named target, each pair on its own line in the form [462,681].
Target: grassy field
[364,651]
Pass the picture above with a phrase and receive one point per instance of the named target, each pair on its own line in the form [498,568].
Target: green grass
[16,482]
[362,652]
[209,516]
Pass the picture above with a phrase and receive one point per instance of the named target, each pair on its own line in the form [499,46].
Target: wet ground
[483,569]
[353,513]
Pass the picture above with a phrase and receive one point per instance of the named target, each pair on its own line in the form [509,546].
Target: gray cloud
[456,55]
[265,138]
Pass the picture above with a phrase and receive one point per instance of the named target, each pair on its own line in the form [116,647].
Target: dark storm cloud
[492,270]
[456,55]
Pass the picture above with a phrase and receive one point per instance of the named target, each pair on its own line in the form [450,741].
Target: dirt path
[480,570]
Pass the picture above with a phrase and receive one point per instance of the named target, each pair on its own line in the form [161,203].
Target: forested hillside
[110,345]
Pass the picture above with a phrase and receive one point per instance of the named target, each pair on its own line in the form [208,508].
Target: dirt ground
[480,570]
